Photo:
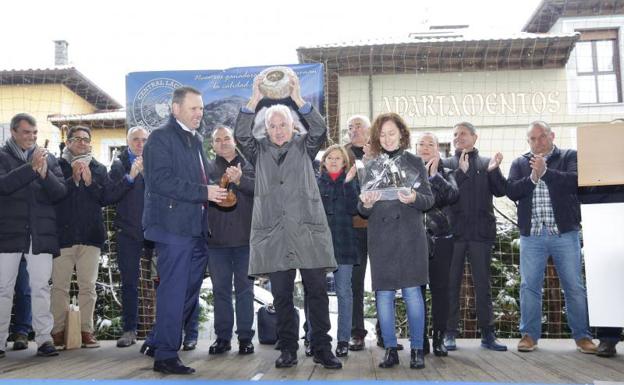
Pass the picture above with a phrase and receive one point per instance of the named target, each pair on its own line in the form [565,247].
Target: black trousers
[357,285]
[439,271]
[609,334]
[480,256]
[315,285]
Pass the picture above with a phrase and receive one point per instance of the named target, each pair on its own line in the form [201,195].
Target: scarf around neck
[17,150]
[71,158]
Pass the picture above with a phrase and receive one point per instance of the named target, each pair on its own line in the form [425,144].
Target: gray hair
[278,109]
[17,119]
[467,125]
[363,118]
[431,134]
[540,123]
[222,127]
[134,129]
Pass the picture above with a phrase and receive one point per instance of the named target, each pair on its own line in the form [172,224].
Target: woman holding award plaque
[288,228]
[397,244]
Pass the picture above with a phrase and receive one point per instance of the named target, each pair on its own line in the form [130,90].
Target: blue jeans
[129,252]
[415,315]
[565,250]
[22,308]
[342,278]
[226,263]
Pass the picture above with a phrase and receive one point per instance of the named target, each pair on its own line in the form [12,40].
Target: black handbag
[267,324]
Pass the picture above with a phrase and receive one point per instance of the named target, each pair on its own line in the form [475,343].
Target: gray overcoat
[397,243]
[288,228]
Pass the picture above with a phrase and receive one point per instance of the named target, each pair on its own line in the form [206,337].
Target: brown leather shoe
[526,344]
[59,340]
[587,346]
[88,340]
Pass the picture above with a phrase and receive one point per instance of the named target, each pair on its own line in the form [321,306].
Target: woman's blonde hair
[343,153]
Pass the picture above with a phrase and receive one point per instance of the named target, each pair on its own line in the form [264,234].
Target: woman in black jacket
[397,243]
[340,197]
[438,229]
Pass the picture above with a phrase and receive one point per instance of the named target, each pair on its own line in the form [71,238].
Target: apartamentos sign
[474,104]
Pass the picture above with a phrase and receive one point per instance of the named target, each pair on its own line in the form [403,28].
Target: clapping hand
[496,160]
[39,161]
[432,165]
[538,167]
[351,174]
[77,171]
[86,174]
[234,173]
[464,164]
[137,167]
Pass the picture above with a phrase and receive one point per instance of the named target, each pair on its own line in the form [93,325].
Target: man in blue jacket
[175,217]
[544,184]
[127,190]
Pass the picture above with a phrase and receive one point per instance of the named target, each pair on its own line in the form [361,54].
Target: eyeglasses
[85,140]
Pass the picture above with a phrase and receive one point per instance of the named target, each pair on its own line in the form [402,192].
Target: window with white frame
[5,132]
[597,67]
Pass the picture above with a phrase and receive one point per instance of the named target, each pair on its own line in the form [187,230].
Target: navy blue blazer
[561,177]
[175,192]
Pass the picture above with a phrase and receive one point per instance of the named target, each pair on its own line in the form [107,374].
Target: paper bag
[73,339]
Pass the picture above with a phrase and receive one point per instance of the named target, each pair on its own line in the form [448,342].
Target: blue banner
[224,92]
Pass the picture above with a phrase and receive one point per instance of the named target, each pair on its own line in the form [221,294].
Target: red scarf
[334,175]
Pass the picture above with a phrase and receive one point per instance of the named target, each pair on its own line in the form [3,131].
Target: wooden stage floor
[555,361]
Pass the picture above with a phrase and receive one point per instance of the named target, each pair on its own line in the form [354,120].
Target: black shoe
[606,349]
[2,355]
[356,344]
[450,343]
[286,360]
[47,349]
[148,350]
[426,347]
[245,346]
[380,344]
[20,341]
[417,359]
[489,341]
[439,349]
[219,346]
[327,359]
[172,366]
[189,345]
[390,359]
[342,349]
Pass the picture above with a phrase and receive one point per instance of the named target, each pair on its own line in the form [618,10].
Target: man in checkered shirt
[543,182]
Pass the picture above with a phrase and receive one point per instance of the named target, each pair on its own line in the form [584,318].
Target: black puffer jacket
[230,227]
[340,201]
[445,192]
[472,216]
[79,214]
[27,205]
